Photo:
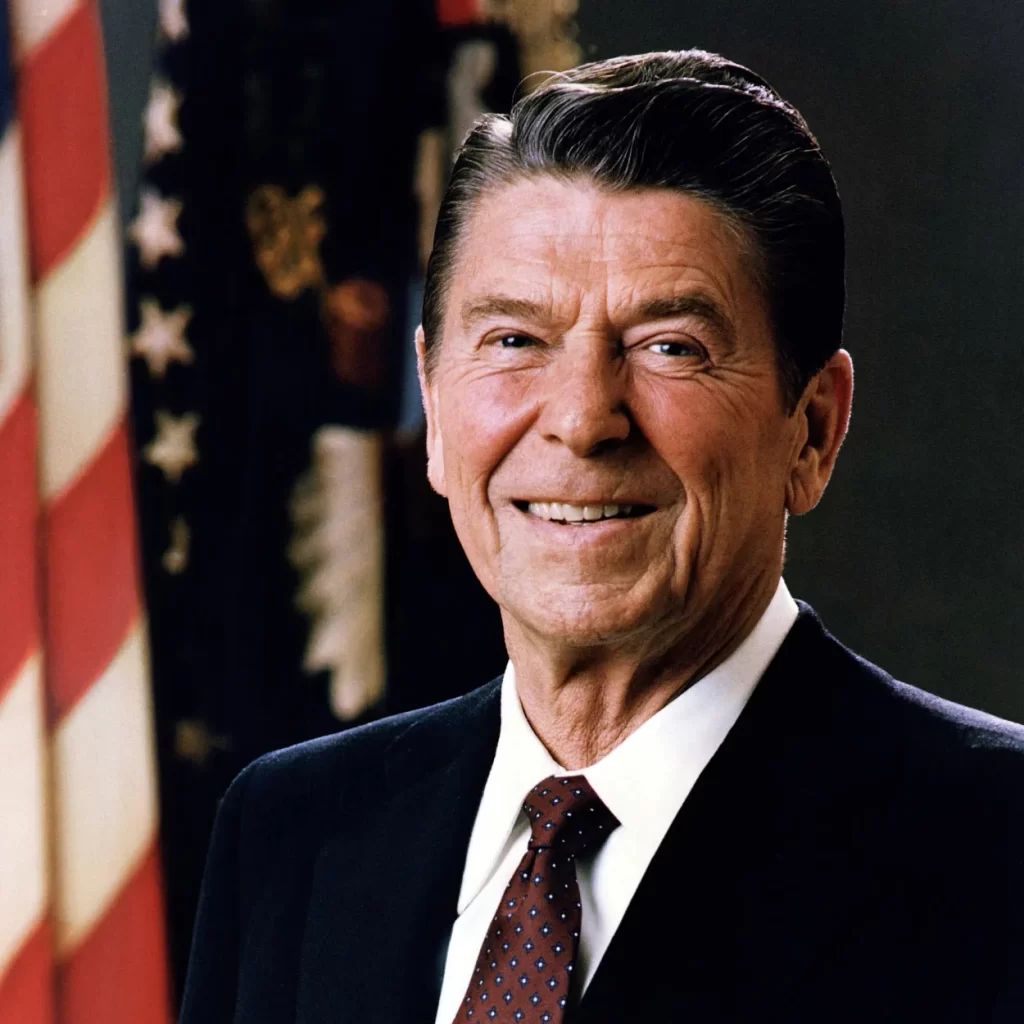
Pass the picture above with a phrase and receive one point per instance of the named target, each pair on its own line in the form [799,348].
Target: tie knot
[567,816]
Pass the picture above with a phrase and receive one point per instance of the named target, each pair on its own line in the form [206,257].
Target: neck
[583,701]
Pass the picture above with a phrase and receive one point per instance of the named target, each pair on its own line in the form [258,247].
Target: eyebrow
[495,306]
[698,305]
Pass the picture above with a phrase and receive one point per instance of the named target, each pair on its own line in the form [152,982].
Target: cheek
[482,418]
[480,424]
[727,454]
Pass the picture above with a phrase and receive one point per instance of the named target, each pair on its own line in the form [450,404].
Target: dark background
[915,556]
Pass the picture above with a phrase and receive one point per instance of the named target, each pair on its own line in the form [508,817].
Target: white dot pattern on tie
[524,971]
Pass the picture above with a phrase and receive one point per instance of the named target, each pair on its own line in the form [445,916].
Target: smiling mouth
[581,515]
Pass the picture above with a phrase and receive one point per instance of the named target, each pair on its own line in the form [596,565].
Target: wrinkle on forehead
[582,204]
[564,247]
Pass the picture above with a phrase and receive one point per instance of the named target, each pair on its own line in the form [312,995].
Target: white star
[155,229]
[161,122]
[176,556]
[160,339]
[173,22]
[173,450]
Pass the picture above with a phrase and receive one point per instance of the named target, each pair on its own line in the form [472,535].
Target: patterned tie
[524,970]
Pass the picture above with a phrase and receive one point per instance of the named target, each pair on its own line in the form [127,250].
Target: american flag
[81,906]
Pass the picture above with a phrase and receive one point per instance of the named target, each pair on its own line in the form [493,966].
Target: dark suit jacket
[854,851]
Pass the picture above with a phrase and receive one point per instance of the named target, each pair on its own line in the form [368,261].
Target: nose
[584,406]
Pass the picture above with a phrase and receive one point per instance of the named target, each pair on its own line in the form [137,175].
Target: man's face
[613,354]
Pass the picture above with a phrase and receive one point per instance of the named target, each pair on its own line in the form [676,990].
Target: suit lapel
[765,864]
[386,883]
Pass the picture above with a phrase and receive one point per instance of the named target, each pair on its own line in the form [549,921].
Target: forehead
[576,242]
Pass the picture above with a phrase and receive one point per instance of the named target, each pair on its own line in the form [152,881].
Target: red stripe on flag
[62,98]
[26,990]
[91,577]
[19,610]
[117,975]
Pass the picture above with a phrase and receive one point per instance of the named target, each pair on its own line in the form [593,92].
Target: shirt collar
[520,762]
[672,747]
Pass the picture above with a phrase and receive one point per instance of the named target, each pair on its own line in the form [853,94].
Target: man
[684,800]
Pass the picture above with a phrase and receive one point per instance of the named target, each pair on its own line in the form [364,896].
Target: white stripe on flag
[23,859]
[15,357]
[105,801]
[81,373]
[33,22]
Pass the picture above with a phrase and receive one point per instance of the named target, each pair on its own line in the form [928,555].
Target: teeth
[566,513]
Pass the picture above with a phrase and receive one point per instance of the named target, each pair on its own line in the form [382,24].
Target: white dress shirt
[643,782]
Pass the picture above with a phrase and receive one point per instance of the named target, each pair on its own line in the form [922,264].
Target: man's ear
[428,392]
[823,415]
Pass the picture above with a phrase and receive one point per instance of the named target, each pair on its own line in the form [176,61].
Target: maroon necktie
[524,970]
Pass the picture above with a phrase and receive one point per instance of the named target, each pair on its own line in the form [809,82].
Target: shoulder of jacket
[314,775]
[941,736]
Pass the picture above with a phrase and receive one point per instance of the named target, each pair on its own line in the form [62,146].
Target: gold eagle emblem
[286,233]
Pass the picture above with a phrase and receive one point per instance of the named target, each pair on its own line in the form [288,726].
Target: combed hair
[695,123]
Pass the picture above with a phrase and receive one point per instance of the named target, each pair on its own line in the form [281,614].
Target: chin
[577,619]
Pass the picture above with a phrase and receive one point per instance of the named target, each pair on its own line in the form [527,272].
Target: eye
[515,341]
[675,348]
